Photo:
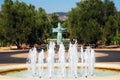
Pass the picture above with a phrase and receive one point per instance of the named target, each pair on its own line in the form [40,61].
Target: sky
[51,6]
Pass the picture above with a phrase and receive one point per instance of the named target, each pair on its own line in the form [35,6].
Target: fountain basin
[18,67]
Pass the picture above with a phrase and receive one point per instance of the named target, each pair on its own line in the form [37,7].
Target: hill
[62,13]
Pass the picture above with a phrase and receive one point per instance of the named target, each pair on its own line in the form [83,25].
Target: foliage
[21,23]
[116,40]
[93,20]
[54,19]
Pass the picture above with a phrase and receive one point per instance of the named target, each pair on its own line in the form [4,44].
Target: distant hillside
[62,13]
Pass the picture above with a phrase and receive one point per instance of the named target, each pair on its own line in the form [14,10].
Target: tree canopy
[22,23]
[93,21]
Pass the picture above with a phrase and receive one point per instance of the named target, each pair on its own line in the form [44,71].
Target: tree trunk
[18,44]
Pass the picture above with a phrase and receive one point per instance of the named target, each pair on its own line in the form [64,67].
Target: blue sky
[54,5]
[57,5]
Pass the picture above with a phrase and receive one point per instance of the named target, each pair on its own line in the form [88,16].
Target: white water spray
[35,62]
[61,53]
[40,63]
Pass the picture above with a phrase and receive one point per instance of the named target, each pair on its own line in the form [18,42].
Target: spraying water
[87,62]
[32,61]
[35,62]
[40,63]
[50,59]
[61,53]
[73,59]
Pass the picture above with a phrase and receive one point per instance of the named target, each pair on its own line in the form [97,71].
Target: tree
[22,23]
[83,21]
[116,37]
[17,21]
[91,21]
[5,19]
[41,30]
[2,30]
[54,19]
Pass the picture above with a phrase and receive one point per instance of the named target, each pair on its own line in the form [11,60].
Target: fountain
[31,61]
[50,58]
[61,54]
[73,59]
[77,62]
[86,63]
[40,63]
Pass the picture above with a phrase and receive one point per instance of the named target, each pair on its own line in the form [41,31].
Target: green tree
[17,21]
[83,21]
[65,25]
[2,30]
[41,30]
[91,21]
[5,19]
[116,37]
[54,19]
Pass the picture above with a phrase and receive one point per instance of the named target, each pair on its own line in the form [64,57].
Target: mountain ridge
[62,13]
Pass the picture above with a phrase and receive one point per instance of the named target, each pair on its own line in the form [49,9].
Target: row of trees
[94,21]
[22,23]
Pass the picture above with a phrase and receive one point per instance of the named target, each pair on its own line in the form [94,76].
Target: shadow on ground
[5,57]
[113,56]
